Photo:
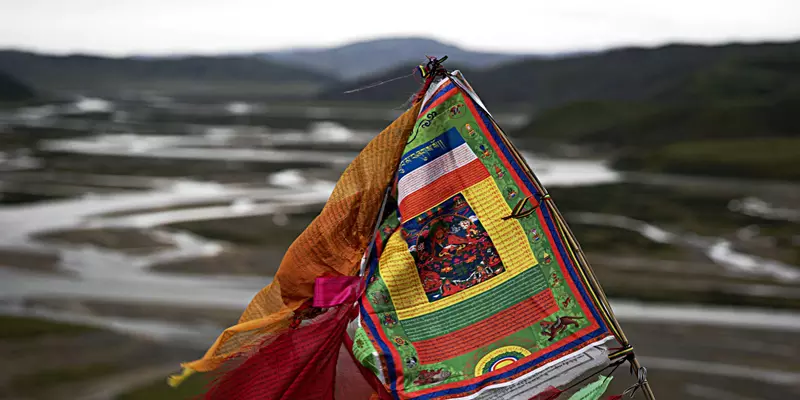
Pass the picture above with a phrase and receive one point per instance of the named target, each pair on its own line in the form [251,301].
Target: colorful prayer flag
[466,294]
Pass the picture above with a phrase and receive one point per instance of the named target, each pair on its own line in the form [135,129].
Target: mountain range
[293,72]
[365,58]
[101,75]
[533,82]
[625,74]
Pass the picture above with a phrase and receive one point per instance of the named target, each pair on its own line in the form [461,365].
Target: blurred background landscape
[145,198]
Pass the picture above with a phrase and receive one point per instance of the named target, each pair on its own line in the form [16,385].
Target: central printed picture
[451,249]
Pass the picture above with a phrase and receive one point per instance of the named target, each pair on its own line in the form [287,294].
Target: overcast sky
[122,27]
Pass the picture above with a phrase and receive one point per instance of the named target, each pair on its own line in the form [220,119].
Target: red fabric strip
[299,364]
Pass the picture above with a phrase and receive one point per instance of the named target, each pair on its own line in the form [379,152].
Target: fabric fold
[332,245]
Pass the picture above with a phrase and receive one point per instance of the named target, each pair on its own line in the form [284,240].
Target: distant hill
[94,73]
[401,89]
[627,74]
[372,57]
[735,116]
[641,125]
[744,96]
[12,90]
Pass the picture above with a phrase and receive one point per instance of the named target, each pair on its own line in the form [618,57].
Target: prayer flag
[472,290]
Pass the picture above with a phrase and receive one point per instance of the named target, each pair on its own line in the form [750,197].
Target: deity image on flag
[451,249]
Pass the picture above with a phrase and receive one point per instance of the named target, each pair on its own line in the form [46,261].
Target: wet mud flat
[29,260]
[129,240]
[694,361]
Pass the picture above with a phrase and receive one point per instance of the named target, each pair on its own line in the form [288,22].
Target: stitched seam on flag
[436,168]
[391,362]
[569,271]
[442,189]
[476,308]
[399,270]
[476,335]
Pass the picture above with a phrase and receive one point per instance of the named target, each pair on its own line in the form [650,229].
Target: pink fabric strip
[332,291]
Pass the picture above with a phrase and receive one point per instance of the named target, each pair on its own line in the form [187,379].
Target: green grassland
[192,387]
[767,158]
[58,376]
[735,116]
[22,328]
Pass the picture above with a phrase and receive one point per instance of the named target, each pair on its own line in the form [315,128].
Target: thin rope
[641,380]
[376,84]
[430,72]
